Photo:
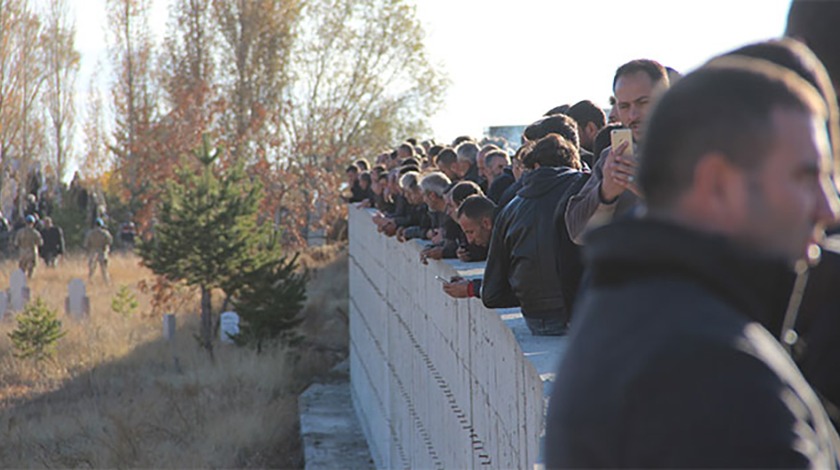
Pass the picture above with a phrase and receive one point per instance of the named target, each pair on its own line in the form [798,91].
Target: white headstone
[229,326]
[77,301]
[168,326]
[17,290]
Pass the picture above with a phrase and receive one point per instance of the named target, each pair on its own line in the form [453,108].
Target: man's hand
[619,174]
[431,252]
[458,288]
[389,229]
[463,254]
[438,238]
[401,234]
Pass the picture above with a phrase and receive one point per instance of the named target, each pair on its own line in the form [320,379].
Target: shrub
[124,302]
[37,332]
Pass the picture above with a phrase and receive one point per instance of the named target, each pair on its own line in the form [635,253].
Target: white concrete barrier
[439,382]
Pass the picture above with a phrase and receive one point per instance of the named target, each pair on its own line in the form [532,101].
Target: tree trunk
[206,321]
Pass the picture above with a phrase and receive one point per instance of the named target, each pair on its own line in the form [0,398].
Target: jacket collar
[626,250]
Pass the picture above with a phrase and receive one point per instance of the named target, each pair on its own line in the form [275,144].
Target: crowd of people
[674,240]
[33,235]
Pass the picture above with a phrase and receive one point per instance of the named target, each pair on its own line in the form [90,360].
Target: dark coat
[53,242]
[499,185]
[817,352]
[667,365]
[523,259]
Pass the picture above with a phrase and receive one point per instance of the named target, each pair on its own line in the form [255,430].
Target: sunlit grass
[118,395]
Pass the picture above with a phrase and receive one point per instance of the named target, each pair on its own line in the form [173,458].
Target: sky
[509,62]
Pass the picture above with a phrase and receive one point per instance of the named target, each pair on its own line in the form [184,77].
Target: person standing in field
[27,241]
[97,243]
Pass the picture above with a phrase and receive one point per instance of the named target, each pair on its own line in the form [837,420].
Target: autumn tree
[62,67]
[362,79]
[134,93]
[22,74]
[95,162]
[256,47]
[361,82]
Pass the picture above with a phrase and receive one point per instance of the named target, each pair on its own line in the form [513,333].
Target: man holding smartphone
[475,216]
[612,191]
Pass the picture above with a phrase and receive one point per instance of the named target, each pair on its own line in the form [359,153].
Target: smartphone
[442,279]
[619,136]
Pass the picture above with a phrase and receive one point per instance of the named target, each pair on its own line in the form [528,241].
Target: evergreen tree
[207,235]
[268,300]
[37,332]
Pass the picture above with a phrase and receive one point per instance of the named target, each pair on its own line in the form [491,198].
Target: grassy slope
[117,395]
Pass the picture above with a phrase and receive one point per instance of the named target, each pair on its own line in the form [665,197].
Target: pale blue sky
[509,62]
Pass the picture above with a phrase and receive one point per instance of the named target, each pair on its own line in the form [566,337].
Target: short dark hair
[377,169]
[496,153]
[815,23]
[411,161]
[523,150]
[463,190]
[731,113]
[652,68]
[461,139]
[365,176]
[407,147]
[352,168]
[553,150]
[406,168]
[447,156]
[584,112]
[362,164]
[795,56]
[412,141]
[434,150]
[477,208]
[554,124]
[562,109]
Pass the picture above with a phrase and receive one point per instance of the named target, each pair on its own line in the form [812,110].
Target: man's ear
[591,129]
[487,223]
[719,189]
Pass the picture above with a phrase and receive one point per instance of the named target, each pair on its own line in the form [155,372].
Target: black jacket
[499,185]
[817,352]
[667,365]
[523,258]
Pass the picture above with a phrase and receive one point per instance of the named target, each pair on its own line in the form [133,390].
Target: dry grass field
[118,395]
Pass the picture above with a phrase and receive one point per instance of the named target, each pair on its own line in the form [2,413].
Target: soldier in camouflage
[27,240]
[97,243]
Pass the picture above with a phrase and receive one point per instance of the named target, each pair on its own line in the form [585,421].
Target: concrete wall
[439,382]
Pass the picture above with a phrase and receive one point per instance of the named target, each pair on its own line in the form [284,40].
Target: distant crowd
[32,234]
[679,241]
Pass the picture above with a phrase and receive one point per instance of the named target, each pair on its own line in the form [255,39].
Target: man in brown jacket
[97,243]
[611,191]
[27,241]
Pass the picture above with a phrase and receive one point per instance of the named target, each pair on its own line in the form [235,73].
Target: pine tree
[268,300]
[37,332]
[207,235]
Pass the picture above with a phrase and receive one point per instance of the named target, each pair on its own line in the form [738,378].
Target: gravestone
[18,292]
[168,326]
[229,326]
[77,303]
